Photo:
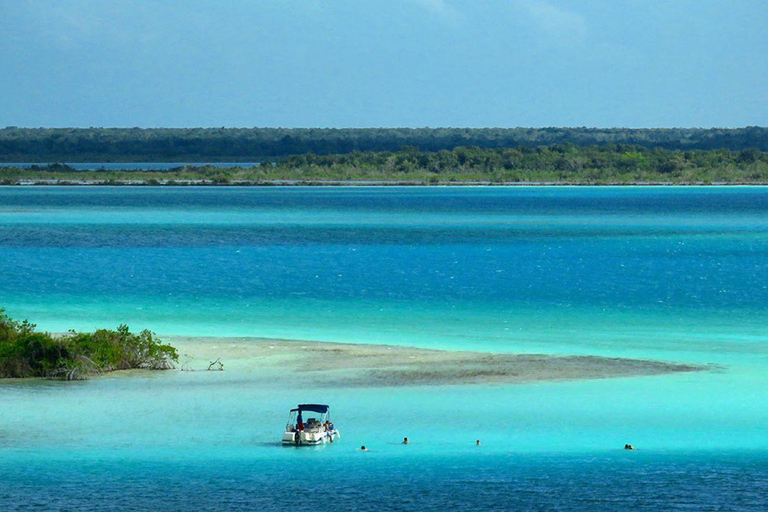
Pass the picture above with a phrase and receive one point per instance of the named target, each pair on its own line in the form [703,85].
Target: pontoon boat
[309,425]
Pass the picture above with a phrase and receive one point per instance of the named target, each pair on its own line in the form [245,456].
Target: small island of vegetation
[392,156]
[560,164]
[24,352]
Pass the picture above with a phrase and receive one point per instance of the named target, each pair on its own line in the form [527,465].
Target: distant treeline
[559,163]
[24,352]
[256,144]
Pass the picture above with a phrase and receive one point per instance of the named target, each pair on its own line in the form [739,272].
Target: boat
[309,425]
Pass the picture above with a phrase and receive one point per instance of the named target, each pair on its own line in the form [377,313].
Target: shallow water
[675,274]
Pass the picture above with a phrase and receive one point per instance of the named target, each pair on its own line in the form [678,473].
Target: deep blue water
[591,483]
[349,264]
[660,248]
[676,274]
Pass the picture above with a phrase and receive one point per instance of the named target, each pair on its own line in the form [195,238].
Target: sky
[384,63]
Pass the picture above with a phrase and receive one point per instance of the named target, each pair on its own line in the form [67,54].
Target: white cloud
[440,8]
[553,20]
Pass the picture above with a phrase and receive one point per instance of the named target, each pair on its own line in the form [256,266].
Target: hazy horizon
[395,63]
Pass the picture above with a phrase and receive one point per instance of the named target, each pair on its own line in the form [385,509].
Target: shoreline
[323,183]
[350,365]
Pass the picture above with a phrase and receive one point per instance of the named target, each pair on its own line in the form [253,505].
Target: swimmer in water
[405,440]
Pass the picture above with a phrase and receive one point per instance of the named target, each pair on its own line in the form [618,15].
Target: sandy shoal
[354,365]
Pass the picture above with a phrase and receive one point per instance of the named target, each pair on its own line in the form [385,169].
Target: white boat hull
[309,438]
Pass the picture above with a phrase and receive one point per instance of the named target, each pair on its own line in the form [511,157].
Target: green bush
[27,353]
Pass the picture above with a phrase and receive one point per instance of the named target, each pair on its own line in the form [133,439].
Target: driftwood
[216,366]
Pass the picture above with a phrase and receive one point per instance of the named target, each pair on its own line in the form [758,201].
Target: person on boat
[299,422]
[328,427]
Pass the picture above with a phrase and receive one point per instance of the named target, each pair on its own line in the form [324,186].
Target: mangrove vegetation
[25,352]
[47,145]
[606,164]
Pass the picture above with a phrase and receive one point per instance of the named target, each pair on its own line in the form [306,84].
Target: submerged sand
[284,362]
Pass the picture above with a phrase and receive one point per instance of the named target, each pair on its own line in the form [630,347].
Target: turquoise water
[676,274]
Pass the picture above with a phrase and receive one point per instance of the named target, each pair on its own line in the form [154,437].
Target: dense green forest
[257,144]
[25,352]
[560,163]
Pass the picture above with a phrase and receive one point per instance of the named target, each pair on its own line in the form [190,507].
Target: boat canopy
[322,409]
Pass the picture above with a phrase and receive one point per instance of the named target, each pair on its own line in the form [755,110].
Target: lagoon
[660,273]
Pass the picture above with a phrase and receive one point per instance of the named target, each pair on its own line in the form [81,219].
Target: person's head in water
[405,440]
[477,442]
[363,449]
